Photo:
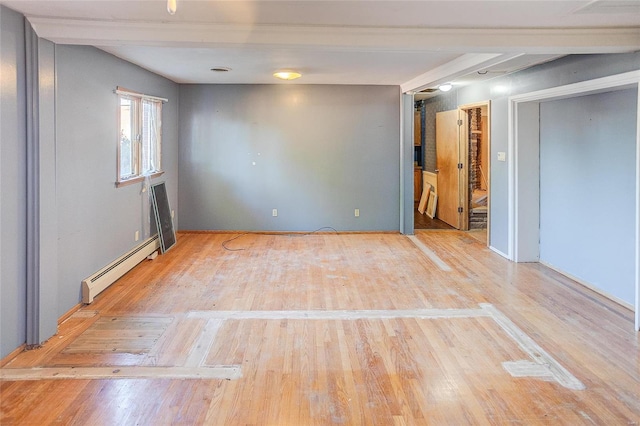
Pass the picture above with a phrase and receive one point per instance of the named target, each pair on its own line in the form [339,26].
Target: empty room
[255,212]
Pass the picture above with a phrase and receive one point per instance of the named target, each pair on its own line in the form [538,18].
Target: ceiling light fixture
[172,6]
[445,87]
[287,75]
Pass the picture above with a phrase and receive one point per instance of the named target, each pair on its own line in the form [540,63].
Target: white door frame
[524,174]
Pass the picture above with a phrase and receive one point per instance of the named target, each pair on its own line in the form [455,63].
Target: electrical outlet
[173,214]
[274,212]
[356,213]
[136,236]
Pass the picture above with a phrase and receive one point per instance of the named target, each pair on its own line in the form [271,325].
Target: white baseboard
[495,250]
[590,286]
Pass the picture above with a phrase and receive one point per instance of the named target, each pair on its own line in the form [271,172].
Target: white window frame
[138,174]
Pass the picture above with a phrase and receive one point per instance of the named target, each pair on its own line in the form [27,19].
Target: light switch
[502,156]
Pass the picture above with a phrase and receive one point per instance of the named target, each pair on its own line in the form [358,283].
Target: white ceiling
[414,44]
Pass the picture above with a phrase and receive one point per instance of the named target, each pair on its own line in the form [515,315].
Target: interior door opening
[460,176]
[477,201]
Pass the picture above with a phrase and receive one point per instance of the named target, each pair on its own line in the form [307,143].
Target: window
[139,136]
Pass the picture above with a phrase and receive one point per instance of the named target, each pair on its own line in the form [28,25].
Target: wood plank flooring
[349,329]
[422,221]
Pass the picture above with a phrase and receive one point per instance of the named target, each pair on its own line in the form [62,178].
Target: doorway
[461,146]
[424,176]
[524,196]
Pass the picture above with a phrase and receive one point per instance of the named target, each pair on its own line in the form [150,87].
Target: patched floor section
[135,335]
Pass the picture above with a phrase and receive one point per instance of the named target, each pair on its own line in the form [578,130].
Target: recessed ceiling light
[220,69]
[445,87]
[287,75]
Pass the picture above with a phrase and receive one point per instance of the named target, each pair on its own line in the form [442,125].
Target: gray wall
[563,71]
[587,189]
[499,176]
[96,220]
[85,222]
[12,182]
[319,152]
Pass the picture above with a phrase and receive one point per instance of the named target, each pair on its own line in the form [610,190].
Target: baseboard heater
[106,276]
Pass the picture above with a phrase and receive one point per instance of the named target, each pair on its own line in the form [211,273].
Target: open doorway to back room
[454,166]
[425,174]
[424,177]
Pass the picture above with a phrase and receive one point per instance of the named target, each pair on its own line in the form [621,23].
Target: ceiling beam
[461,66]
[463,40]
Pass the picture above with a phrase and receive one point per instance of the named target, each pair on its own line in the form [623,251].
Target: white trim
[581,88]
[495,250]
[370,38]
[589,286]
[603,84]
[139,95]
[511,174]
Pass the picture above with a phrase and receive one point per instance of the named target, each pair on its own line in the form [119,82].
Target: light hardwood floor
[356,329]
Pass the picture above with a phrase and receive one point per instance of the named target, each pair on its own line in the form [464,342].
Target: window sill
[136,179]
